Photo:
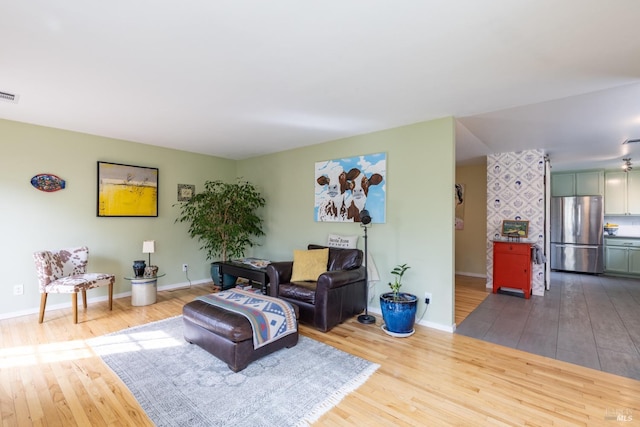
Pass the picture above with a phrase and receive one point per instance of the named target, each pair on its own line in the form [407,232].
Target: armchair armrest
[338,278]
[278,272]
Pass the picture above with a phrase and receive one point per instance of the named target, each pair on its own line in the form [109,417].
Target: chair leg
[84,298]
[43,303]
[74,303]
[110,296]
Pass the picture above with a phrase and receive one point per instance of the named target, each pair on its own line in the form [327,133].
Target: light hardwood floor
[470,292]
[50,377]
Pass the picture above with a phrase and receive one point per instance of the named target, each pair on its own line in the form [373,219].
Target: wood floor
[50,377]
[470,293]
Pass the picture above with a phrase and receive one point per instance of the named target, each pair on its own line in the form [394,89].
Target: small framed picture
[186,192]
[513,228]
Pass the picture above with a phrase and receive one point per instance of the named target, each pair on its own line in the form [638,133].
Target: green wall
[419,227]
[418,231]
[33,220]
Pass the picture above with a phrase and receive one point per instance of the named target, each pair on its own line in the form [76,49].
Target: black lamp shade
[365,218]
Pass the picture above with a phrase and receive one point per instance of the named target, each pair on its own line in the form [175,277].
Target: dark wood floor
[592,321]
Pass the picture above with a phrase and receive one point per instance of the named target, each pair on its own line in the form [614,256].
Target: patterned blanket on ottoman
[270,318]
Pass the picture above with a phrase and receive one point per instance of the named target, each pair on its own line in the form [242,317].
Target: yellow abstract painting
[125,190]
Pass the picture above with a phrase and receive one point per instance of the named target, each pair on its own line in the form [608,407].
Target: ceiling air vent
[631,141]
[9,97]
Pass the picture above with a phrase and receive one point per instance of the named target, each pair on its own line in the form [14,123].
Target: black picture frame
[186,192]
[126,190]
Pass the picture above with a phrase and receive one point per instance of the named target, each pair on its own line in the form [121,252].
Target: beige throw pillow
[309,265]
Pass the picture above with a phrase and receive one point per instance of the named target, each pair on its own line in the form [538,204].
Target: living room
[426,376]
[425,241]
[50,374]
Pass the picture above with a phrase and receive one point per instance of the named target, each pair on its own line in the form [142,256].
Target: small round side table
[144,290]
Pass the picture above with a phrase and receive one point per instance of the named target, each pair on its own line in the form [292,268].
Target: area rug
[180,384]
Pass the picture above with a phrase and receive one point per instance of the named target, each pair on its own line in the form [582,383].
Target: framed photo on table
[514,228]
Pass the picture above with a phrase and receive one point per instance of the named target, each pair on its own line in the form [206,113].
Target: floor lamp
[365,220]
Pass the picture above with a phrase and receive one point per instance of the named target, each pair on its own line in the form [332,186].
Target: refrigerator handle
[576,246]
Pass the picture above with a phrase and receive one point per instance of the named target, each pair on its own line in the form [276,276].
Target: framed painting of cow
[344,187]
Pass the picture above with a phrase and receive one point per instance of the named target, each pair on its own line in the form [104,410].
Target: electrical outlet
[427,297]
[185,267]
[18,289]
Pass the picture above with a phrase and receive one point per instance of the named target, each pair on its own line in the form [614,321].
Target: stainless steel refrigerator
[577,235]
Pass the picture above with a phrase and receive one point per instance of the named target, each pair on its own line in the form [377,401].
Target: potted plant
[223,218]
[398,308]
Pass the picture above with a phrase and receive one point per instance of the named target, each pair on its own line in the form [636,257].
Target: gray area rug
[179,384]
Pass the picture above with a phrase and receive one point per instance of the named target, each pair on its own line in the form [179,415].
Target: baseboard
[36,310]
[20,313]
[432,325]
[183,285]
[464,273]
[60,306]
[438,326]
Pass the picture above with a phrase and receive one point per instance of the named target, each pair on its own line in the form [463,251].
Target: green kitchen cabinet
[634,261]
[616,259]
[633,193]
[587,183]
[622,193]
[622,256]
[590,183]
[563,184]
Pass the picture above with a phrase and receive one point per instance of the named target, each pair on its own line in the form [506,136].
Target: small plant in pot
[398,308]
[223,217]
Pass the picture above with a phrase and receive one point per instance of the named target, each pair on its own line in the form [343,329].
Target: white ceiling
[578,132]
[239,78]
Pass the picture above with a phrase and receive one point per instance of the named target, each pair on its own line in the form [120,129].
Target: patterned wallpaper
[515,190]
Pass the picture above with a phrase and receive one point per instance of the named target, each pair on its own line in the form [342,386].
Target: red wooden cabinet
[512,266]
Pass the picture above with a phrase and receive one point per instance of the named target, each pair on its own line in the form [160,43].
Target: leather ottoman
[227,335]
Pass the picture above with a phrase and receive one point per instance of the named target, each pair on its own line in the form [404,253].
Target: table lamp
[149,247]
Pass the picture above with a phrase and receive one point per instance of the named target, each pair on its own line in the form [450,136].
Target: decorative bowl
[611,231]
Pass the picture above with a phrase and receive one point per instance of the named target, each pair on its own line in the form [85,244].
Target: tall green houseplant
[224,218]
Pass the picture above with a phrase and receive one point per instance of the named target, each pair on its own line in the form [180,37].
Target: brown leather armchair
[338,294]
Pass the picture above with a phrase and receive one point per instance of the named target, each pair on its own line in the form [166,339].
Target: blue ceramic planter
[227,280]
[399,316]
